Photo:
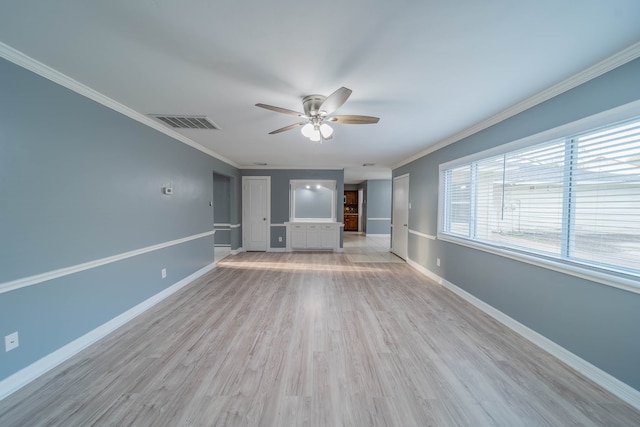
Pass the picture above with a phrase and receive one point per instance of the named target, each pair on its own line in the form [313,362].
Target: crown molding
[267,167]
[602,67]
[24,61]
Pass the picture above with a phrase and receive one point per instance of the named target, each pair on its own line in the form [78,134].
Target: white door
[400,230]
[255,212]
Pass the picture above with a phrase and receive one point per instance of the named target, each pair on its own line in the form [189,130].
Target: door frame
[400,228]
[360,210]
[245,179]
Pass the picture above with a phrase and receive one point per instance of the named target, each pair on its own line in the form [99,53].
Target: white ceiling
[429,69]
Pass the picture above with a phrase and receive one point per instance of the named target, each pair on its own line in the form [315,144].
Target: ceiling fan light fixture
[317,110]
[326,131]
[315,136]
[307,130]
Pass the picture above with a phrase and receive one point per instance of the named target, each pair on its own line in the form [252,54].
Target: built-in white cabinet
[330,236]
[298,233]
[313,236]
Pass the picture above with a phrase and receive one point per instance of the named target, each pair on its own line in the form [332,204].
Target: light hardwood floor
[297,339]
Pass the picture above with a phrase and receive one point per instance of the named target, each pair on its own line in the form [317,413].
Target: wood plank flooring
[313,339]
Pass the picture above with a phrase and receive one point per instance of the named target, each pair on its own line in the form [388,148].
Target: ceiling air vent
[187,122]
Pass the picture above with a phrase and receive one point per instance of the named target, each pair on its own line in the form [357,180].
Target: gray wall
[378,206]
[81,182]
[280,195]
[222,209]
[596,322]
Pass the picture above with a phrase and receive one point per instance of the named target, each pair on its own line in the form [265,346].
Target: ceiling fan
[317,115]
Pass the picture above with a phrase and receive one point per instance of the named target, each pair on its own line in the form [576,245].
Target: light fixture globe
[307,130]
[315,136]
[326,131]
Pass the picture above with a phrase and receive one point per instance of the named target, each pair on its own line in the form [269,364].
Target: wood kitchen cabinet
[350,210]
[351,222]
[351,198]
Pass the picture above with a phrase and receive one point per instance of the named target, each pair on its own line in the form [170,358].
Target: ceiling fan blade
[281,110]
[286,128]
[335,100]
[354,120]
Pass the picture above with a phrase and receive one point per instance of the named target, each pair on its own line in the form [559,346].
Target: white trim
[222,225]
[611,63]
[50,275]
[267,167]
[377,235]
[235,225]
[24,376]
[222,245]
[378,219]
[279,225]
[237,251]
[271,249]
[55,76]
[426,236]
[595,374]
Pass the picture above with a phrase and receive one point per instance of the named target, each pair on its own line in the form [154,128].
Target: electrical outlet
[164,273]
[11,341]
[280,239]
[438,262]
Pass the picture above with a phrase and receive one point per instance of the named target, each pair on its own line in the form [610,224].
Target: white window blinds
[605,202]
[575,198]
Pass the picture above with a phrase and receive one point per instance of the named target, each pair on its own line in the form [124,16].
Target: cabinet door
[329,237]
[298,236]
[351,223]
[313,236]
[352,197]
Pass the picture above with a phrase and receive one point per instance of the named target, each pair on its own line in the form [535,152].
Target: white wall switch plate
[164,273]
[438,262]
[11,341]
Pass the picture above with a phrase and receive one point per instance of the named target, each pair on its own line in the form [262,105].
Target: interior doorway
[221,215]
[256,212]
[400,225]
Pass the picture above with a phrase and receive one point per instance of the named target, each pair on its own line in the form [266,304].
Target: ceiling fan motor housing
[312,103]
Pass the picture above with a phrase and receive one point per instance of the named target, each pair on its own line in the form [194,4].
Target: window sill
[610,279]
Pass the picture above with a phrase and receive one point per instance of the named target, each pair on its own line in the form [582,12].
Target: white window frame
[606,276]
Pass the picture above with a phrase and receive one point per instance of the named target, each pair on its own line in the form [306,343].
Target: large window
[574,199]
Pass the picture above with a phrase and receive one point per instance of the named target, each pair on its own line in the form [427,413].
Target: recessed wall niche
[313,200]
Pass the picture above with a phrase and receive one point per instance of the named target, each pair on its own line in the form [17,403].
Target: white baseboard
[24,376]
[277,250]
[377,235]
[237,251]
[595,374]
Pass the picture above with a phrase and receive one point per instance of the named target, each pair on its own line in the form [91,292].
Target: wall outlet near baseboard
[11,341]
[279,238]
[164,273]
[438,262]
